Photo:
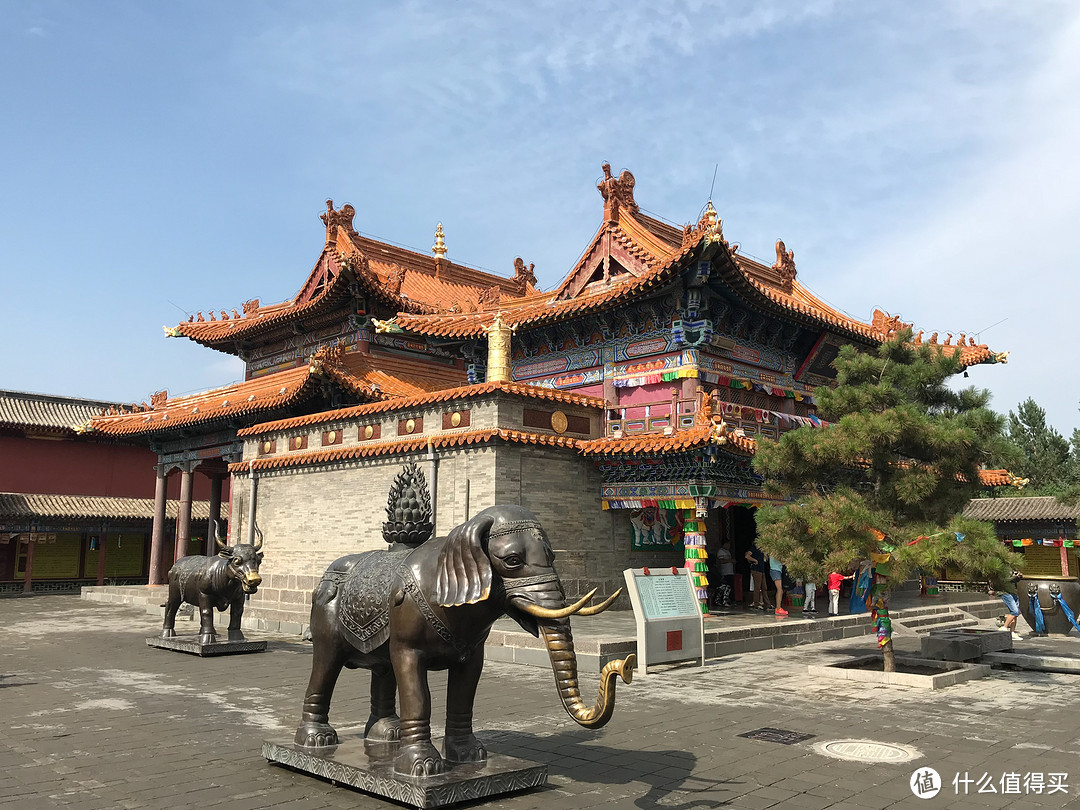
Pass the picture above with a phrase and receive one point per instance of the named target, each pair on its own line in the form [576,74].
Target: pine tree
[1044,453]
[887,478]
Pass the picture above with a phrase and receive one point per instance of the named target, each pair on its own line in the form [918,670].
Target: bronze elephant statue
[406,611]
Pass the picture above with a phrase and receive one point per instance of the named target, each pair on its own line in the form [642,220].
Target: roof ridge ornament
[332,218]
[617,193]
[524,276]
[785,265]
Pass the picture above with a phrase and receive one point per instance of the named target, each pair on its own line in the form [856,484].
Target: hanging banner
[654,529]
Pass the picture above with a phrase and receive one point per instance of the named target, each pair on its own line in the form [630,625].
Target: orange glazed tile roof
[446,395]
[403,278]
[996,478]
[366,376]
[410,445]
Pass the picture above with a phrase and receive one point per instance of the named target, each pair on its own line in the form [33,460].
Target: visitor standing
[776,574]
[836,579]
[723,594]
[756,557]
[810,600]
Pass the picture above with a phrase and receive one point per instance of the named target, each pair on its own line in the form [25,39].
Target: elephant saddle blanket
[364,597]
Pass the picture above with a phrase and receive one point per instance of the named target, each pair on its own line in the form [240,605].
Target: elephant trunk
[560,645]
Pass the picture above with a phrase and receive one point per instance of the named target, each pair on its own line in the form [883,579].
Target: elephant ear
[464,573]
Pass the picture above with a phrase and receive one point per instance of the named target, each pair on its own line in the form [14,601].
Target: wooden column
[183,518]
[101,558]
[157,536]
[28,579]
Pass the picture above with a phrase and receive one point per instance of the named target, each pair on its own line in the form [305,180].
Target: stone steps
[608,637]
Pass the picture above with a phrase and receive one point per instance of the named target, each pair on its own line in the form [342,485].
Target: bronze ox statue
[221,582]
[405,611]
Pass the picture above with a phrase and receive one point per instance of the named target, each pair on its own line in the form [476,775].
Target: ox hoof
[207,638]
[464,749]
[168,632]
[315,735]
[419,759]
[383,729]
[236,635]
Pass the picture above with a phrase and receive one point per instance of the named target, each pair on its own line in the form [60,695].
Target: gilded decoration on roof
[709,227]
[439,248]
[498,334]
[617,193]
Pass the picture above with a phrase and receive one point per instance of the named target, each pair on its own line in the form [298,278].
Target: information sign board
[670,625]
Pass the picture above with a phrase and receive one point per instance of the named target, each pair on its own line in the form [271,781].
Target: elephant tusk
[556,613]
[592,610]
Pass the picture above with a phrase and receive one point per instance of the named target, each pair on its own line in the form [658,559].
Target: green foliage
[1040,453]
[901,456]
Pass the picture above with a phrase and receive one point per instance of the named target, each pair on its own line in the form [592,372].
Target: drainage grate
[867,751]
[777,735]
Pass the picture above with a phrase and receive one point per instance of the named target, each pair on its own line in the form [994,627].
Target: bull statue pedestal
[426,604]
[224,582]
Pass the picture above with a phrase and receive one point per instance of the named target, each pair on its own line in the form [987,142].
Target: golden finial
[710,214]
[439,248]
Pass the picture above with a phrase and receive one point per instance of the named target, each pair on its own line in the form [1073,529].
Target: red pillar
[183,518]
[28,580]
[157,536]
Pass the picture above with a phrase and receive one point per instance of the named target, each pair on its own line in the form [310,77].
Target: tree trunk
[888,654]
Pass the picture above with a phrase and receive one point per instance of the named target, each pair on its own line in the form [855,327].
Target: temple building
[622,407]
[76,508]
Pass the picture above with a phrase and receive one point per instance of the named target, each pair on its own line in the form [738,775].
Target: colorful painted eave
[412,445]
[464,392]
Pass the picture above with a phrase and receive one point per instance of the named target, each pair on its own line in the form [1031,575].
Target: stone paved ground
[92,718]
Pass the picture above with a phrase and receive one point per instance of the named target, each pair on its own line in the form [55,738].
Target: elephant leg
[328,657]
[173,605]
[207,635]
[383,725]
[236,612]
[417,756]
[460,744]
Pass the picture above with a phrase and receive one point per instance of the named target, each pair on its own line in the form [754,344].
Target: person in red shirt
[835,581]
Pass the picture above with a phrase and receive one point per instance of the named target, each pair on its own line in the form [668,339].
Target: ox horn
[258,538]
[219,537]
[560,613]
[592,610]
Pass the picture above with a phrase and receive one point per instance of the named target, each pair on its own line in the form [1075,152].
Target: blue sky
[162,158]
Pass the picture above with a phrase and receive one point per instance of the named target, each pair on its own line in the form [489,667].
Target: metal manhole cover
[777,735]
[867,751]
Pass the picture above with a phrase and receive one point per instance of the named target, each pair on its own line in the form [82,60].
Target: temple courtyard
[93,718]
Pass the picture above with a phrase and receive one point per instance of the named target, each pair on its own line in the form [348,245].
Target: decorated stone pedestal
[191,644]
[370,767]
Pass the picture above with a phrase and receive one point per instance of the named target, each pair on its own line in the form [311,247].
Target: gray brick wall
[311,515]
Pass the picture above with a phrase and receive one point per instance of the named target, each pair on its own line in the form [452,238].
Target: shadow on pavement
[668,773]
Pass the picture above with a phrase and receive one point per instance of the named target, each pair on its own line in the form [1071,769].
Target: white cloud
[995,242]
